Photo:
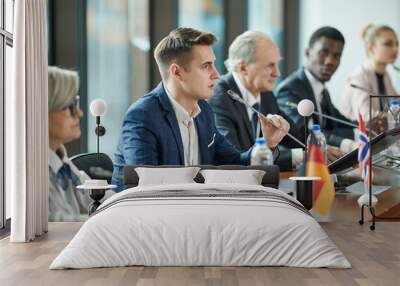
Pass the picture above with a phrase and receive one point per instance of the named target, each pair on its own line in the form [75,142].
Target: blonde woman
[381,44]
[66,203]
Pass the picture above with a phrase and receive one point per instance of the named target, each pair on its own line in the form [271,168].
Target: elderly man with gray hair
[66,203]
[253,68]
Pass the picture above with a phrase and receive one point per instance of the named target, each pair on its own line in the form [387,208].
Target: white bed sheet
[200,231]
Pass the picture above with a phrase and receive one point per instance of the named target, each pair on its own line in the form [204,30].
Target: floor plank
[374,255]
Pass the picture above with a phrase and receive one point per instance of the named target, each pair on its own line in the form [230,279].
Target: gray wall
[349,17]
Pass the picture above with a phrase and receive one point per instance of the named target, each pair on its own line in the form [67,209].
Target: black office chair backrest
[97,166]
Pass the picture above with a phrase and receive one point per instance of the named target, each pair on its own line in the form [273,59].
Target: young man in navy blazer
[173,124]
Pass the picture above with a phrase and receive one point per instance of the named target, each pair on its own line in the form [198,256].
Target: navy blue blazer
[295,88]
[150,136]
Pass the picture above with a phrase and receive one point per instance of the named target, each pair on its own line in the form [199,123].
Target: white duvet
[207,230]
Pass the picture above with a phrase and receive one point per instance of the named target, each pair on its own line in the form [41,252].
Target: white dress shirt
[187,127]
[247,95]
[318,87]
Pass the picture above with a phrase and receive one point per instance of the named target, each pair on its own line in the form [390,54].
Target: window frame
[6,39]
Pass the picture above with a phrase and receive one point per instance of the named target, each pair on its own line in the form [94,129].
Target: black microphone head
[353,85]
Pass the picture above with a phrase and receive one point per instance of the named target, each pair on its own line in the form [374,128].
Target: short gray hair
[63,88]
[243,48]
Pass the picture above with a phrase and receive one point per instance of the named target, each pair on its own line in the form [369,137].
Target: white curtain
[27,124]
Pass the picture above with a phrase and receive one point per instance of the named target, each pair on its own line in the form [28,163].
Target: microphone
[236,97]
[306,108]
[364,89]
[98,108]
[377,95]
[374,94]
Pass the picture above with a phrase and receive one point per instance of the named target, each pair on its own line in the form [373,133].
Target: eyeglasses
[73,107]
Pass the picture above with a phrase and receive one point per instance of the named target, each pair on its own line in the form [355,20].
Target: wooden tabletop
[345,207]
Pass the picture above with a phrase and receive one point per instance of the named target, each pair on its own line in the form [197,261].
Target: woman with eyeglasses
[381,44]
[66,203]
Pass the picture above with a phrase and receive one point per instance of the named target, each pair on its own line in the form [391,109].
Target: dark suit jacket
[233,121]
[150,136]
[295,88]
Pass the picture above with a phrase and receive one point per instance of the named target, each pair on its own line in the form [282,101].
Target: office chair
[96,165]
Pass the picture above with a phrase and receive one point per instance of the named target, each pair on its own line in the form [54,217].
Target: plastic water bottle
[393,122]
[393,114]
[316,128]
[261,155]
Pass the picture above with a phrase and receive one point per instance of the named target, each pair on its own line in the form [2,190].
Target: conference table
[345,207]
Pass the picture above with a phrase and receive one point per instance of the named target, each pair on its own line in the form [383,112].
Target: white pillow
[166,176]
[248,177]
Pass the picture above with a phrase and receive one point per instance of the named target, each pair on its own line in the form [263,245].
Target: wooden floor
[374,255]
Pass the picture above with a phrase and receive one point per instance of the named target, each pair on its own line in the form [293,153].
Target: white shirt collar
[55,162]
[247,95]
[181,114]
[316,85]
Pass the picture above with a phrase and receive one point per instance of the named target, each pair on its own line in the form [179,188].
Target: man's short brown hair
[177,46]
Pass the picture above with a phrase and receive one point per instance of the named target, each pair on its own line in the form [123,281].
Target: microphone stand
[336,119]
[100,131]
[305,141]
[294,106]
[98,137]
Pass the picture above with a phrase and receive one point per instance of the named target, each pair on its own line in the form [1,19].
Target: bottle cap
[394,102]
[315,127]
[261,141]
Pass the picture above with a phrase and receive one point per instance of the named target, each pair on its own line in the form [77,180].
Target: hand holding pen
[275,121]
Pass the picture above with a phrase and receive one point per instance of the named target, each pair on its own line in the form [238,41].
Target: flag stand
[372,200]
[370,204]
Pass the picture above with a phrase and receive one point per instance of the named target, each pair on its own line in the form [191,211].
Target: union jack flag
[363,153]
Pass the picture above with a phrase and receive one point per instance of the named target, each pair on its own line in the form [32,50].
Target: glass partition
[9,15]
[6,29]
[117,51]
[205,15]
[8,70]
[267,16]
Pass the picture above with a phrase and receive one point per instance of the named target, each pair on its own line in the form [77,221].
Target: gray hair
[243,48]
[63,88]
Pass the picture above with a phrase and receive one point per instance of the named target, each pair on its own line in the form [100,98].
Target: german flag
[324,191]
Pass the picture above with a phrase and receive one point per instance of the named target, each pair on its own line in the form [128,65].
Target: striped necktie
[325,106]
[254,120]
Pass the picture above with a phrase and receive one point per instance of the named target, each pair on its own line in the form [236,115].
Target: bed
[201,224]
